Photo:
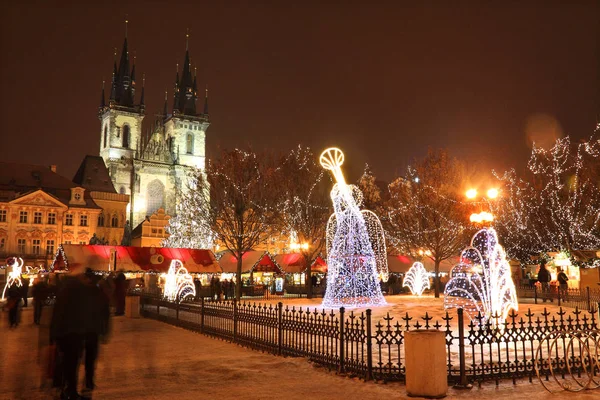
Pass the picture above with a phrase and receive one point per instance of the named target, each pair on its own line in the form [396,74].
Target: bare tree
[304,205]
[425,213]
[556,204]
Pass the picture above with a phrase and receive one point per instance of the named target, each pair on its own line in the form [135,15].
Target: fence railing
[583,299]
[349,342]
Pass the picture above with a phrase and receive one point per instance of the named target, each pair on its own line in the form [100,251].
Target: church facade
[152,165]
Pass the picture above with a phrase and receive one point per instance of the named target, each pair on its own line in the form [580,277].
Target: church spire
[166,107]
[206,101]
[143,89]
[102,102]
[185,95]
[123,80]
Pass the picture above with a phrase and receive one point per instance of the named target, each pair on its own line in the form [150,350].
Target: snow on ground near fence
[146,359]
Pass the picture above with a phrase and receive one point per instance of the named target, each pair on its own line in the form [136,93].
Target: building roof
[93,175]
[293,263]
[18,180]
[75,258]
[252,260]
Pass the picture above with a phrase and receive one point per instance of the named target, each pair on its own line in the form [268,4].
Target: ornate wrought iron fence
[583,299]
[352,343]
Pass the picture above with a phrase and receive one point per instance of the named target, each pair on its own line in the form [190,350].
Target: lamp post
[483,217]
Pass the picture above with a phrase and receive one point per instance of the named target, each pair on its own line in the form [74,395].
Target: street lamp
[482,217]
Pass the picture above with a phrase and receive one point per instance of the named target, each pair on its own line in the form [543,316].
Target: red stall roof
[256,261]
[293,263]
[76,257]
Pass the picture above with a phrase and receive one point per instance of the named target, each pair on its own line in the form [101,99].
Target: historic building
[151,167]
[39,209]
[151,231]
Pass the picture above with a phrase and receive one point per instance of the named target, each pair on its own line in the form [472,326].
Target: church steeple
[123,84]
[185,95]
[206,101]
[102,102]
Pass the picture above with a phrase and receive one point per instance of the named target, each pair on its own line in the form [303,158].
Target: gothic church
[151,167]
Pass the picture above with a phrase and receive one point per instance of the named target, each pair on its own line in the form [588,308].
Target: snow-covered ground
[146,359]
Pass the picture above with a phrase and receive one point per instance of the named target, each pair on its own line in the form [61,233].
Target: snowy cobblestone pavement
[146,359]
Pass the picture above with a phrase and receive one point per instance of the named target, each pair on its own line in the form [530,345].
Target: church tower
[186,127]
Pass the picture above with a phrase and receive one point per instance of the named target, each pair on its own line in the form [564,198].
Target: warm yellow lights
[482,217]
[299,246]
[492,193]
[471,193]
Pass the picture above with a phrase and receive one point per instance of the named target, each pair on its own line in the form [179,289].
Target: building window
[37,217]
[189,144]
[67,242]
[69,219]
[2,215]
[23,217]
[156,196]
[2,244]
[36,246]
[101,220]
[83,220]
[122,190]
[21,243]
[83,242]
[126,136]
[114,222]
[50,247]
[51,218]
[105,134]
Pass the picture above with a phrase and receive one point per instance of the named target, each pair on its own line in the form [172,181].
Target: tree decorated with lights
[352,243]
[372,196]
[238,211]
[191,227]
[481,283]
[556,206]
[425,213]
[304,206]
[416,279]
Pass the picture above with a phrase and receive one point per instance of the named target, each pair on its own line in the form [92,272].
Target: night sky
[382,82]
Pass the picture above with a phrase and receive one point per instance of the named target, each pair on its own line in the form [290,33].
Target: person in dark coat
[40,293]
[13,297]
[120,292]
[25,290]
[96,326]
[67,331]
[544,278]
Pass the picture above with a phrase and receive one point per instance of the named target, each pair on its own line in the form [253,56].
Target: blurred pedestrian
[563,285]
[120,293]
[40,293]
[96,326]
[67,331]
[13,297]
[25,289]
[544,278]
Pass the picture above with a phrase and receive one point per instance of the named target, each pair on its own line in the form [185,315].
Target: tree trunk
[238,274]
[308,279]
[436,279]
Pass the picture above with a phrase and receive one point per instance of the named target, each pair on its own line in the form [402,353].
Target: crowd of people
[78,321]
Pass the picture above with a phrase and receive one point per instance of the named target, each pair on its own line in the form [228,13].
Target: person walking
[544,279]
[67,331]
[563,286]
[25,289]
[39,292]
[13,296]
[120,293]
[95,326]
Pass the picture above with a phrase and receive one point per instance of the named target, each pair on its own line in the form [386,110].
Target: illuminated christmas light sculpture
[353,250]
[481,282]
[417,279]
[14,277]
[178,282]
